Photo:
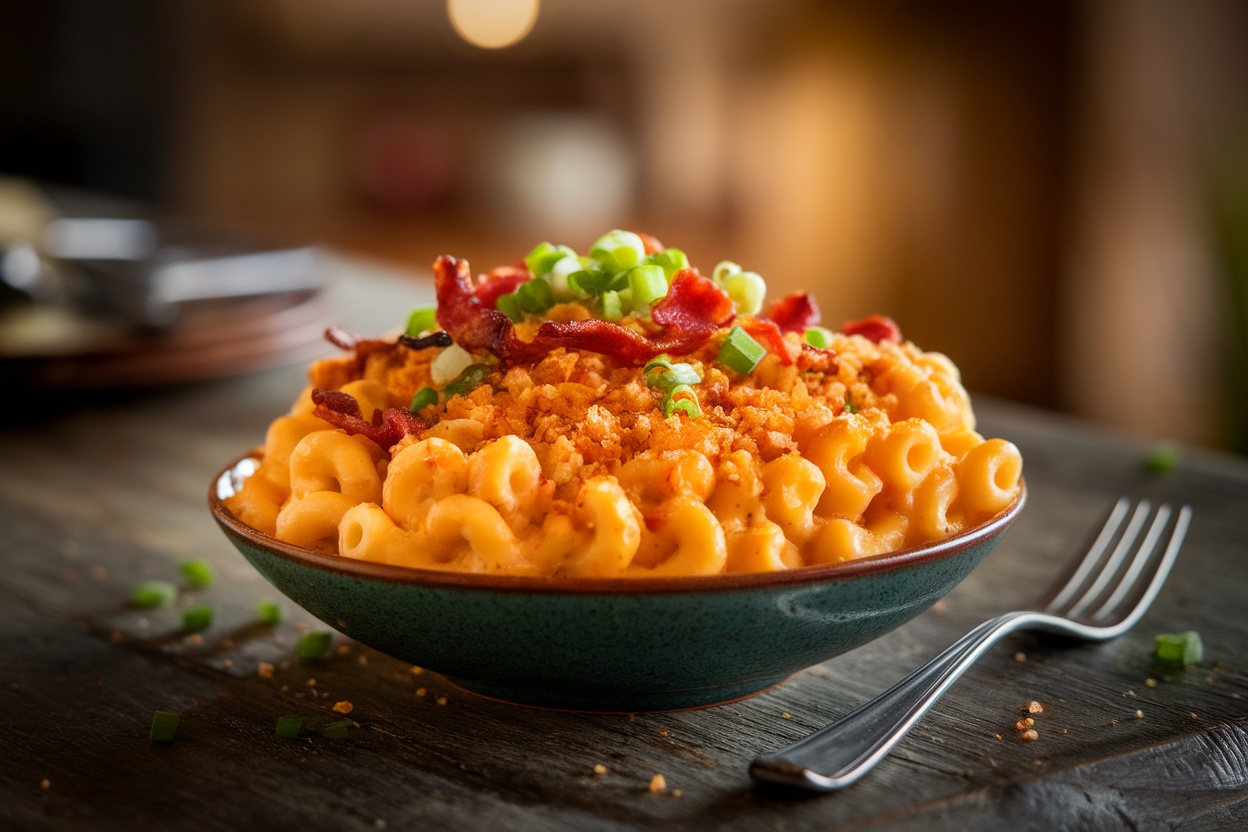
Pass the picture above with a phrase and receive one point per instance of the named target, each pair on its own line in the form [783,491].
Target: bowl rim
[390,573]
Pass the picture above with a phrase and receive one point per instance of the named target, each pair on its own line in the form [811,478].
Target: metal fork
[1106,593]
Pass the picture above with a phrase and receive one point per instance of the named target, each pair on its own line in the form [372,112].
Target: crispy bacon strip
[875,328]
[342,410]
[693,310]
[794,313]
[501,281]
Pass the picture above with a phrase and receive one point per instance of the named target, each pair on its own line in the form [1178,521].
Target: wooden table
[110,492]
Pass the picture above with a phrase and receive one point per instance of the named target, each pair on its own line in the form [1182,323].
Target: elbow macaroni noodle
[568,469]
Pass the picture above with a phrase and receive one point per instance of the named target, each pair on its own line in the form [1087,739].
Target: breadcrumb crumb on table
[343,707]
[599,769]
[1034,707]
[1031,735]
[45,784]
[265,670]
[658,783]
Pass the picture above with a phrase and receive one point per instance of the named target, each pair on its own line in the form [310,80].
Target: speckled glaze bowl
[623,644]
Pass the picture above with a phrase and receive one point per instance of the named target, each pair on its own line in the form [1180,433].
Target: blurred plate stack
[106,299]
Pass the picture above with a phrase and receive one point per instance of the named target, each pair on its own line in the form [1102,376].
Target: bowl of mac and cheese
[608,481]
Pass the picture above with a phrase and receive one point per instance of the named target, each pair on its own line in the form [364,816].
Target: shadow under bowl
[615,644]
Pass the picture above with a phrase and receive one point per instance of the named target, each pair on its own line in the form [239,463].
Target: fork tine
[1110,568]
[1142,602]
[1130,578]
[1062,596]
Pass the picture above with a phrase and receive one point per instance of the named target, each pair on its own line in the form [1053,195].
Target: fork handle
[837,755]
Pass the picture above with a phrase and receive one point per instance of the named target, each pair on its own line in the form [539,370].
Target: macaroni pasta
[567,465]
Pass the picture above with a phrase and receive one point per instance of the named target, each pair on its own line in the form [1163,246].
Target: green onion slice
[509,305]
[747,290]
[164,726]
[723,270]
[467,381]
[618,250]
[196,619]
[421,321]
[1162,458]
[535,296]
[670,260]
[544,256]
[662,373]
[314,644]
[269,613]
[686,403]
[198,573]
[649,284]
[818,337]
[288,727]
[424,397]
[589,282]
[335,730]
[739,352]
[612,308]
[1180,649]
[151,594]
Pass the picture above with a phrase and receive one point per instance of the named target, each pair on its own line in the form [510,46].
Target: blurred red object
[404,163]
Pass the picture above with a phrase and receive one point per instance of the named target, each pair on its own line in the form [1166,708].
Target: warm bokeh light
[493,24]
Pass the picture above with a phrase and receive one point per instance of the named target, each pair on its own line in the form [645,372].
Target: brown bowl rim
[828,573]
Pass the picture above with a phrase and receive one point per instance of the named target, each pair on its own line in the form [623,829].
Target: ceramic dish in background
[616,644]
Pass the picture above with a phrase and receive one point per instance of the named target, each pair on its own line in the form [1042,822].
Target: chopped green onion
[153,594]
[288,727]
[688,404]
[467,381]
[850,407]
[690,409]
[314,644]
[335,730]
[509,305]
[739,352]
[670,260]
[660,372]
[535,296]
[1163,458]
[618,250]
[818,337]
[559,274]
[648,284]
[612,309]
[196,619]
[421,321]
[589,282]
[747,290]
[544,256]
[164,726]
[449,363]
[198,573]
[1180,649]
[269,613]
[723,270]
[424,397]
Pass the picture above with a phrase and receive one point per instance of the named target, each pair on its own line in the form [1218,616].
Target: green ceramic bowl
[623,644]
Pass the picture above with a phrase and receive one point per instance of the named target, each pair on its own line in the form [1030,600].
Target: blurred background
[1055,194]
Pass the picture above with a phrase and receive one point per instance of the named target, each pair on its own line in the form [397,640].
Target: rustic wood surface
[102,492]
